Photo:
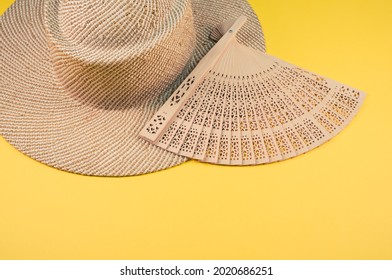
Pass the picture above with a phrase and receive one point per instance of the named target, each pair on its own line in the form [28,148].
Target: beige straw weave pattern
[95,53]
[79,79]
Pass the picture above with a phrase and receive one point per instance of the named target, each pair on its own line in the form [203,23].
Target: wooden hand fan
[243,107]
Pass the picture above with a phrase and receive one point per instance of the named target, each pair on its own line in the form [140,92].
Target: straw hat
[79,79]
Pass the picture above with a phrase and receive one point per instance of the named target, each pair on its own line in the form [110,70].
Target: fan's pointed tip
[220,30]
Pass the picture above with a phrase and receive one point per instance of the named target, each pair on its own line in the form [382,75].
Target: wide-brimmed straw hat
[80,79]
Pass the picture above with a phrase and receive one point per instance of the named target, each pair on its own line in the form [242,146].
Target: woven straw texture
[79,79]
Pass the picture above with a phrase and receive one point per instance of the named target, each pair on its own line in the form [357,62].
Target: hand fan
[243,107]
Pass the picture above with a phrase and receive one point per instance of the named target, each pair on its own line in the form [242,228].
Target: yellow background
[332,203]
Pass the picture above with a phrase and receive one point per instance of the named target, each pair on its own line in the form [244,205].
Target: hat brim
[41,120]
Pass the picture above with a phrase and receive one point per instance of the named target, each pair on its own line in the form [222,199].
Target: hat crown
[116,23]
[119,52]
